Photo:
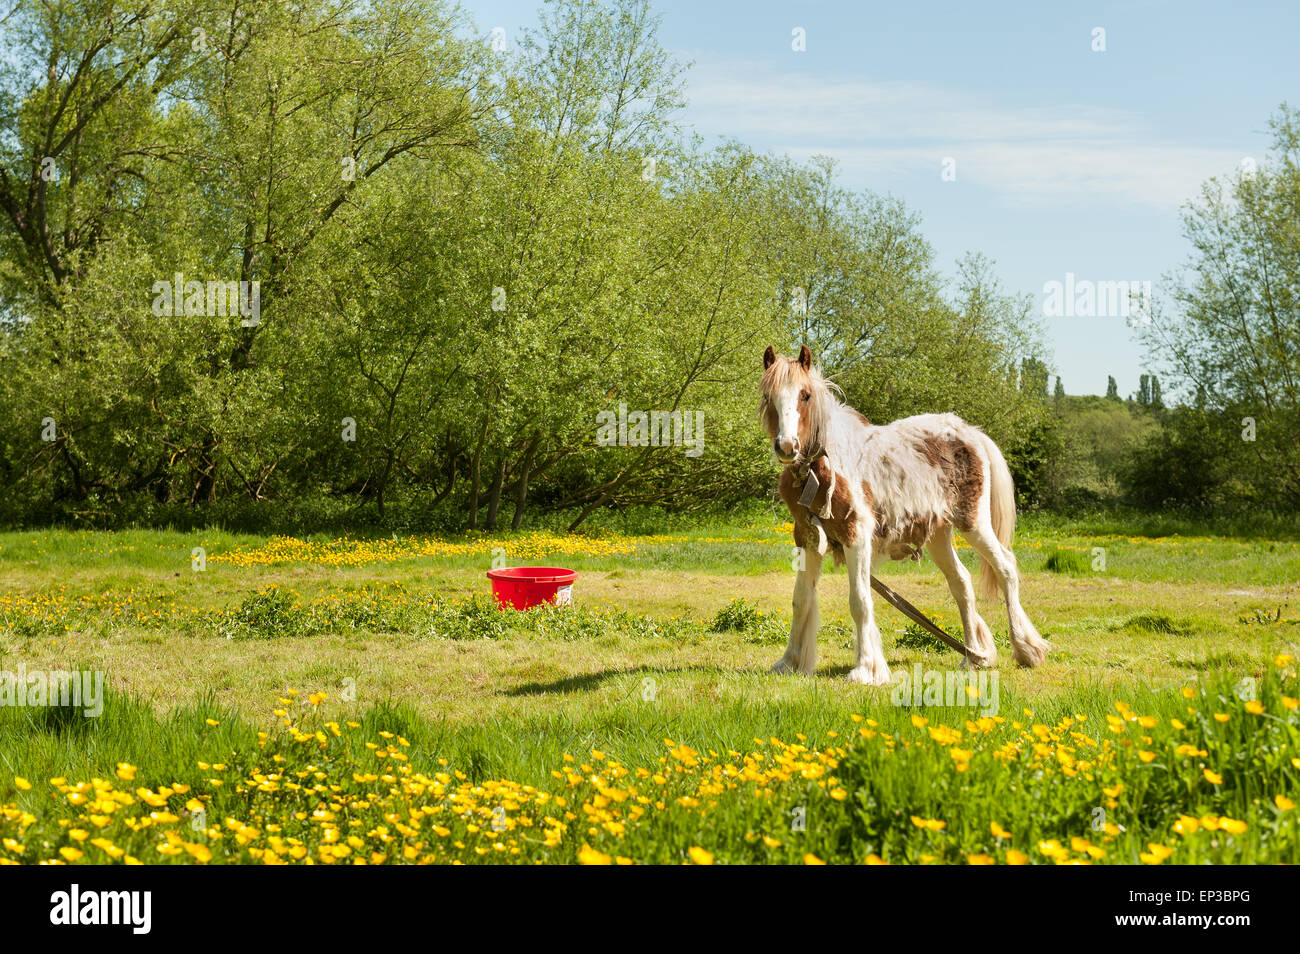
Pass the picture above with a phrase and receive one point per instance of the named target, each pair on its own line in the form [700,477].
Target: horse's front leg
[801,651]
[869,665]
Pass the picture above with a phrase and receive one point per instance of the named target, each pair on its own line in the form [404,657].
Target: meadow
[343,700]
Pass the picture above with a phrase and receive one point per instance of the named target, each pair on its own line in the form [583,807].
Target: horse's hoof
[867,676]
[1031,655]
[783,667]
[976,660]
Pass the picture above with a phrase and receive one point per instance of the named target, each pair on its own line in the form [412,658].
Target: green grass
[1078,778]
[669,641]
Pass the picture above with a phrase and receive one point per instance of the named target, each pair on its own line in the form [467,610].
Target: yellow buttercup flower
[700,856]
[590,856]
[1155,854]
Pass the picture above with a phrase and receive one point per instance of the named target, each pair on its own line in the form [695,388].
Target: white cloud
[876,128]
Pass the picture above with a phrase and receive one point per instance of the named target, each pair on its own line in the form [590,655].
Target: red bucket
[524,587]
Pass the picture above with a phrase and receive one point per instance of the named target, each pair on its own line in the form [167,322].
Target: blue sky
[1067,160]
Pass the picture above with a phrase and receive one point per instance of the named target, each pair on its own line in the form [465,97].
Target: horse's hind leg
[801,651]
[981,653]
[1026,645]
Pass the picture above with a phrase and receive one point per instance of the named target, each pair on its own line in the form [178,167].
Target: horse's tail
[1002,513]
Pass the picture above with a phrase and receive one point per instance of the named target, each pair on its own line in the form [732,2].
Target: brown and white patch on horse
[903,540]
[790,487]
[833,503]
[962,471]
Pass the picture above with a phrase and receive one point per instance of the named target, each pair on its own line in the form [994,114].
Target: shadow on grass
[593,680]
[583,682]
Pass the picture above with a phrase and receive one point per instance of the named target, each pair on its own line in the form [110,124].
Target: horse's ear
[805,357]
[769,358]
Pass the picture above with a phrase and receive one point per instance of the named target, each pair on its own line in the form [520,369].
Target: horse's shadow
[594,680]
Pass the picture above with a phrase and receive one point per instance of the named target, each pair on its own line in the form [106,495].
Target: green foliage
[1232,339]
[1187,463]
[267,614]
[1098,439]
[1113,778]
[739,615]
[914,636]
[463,257]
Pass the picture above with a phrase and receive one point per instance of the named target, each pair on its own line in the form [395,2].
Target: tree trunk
[494,495]
[475,469]
[452,470]
[475,474]
[521,490]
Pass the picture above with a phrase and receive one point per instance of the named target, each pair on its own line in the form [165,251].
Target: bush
[266,614]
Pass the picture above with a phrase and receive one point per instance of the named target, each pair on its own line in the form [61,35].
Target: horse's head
[795,405]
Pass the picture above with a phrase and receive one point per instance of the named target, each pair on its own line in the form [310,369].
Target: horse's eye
[805,396]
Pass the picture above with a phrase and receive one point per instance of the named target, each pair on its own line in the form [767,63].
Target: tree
[1033,376]
[460,257]
[1112,389]
[1232,333]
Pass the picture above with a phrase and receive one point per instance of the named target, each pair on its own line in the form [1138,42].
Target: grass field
[403,718]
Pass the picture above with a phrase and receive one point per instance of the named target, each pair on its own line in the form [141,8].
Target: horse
[867,492]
